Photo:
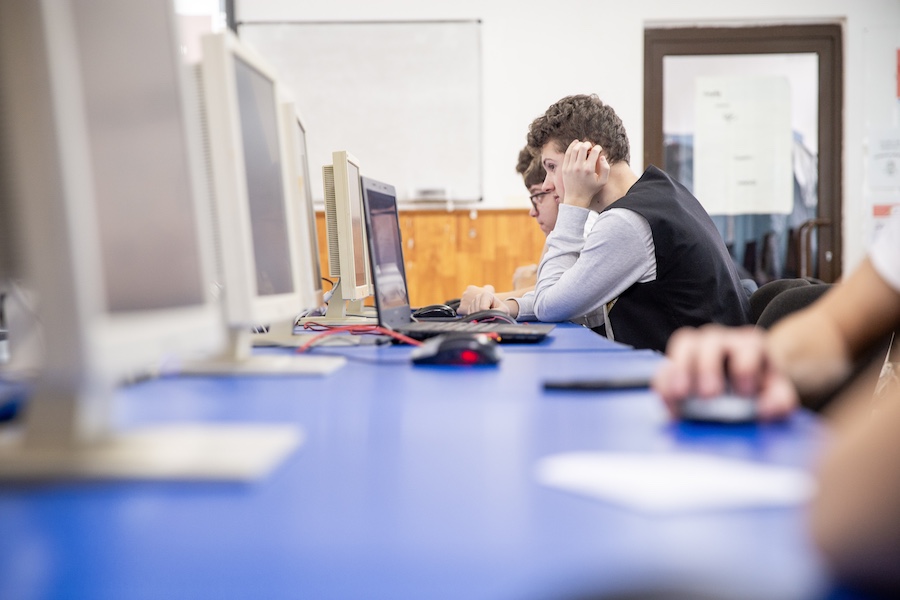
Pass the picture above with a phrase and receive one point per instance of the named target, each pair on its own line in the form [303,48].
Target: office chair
[766,292]
[789,300]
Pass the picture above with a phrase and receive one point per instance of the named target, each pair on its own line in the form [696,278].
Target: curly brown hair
[581,117]
[530,168]
[525,158]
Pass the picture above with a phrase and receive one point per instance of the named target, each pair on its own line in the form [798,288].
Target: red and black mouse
[462,349]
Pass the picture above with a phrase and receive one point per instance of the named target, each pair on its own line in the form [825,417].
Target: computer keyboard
[509,333]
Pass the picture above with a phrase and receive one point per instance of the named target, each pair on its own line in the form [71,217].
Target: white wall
[537,52]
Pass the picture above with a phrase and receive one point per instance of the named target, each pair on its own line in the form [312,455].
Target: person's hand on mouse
[585,171]
[477,298]
[697,360]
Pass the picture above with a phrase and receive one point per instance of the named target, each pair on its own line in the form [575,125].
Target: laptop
[389,278]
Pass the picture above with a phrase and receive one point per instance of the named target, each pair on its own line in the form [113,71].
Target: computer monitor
[298,165]
[109,245]
[259,233]
[348,253]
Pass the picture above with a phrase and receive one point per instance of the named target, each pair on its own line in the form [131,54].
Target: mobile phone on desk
[598,384]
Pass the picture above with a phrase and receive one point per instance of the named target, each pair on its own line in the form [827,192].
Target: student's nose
[547,186]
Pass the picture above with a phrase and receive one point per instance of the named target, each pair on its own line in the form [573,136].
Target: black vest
[696,281]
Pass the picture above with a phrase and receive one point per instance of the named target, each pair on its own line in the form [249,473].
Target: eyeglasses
[537,198]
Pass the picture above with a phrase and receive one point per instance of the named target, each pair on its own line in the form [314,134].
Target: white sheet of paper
[883,165]
[675,482]
[742,145]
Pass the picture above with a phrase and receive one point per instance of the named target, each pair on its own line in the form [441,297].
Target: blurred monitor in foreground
[107,241]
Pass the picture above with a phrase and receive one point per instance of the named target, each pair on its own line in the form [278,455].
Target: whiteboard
[403,97]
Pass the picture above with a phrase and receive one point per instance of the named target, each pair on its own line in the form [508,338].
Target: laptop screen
[386,253]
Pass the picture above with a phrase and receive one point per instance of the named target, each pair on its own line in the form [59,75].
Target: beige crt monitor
[348,254]
[298,170]
[307,252]
[260,237]
[104,191]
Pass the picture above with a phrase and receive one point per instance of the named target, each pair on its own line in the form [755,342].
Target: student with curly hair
[652,261]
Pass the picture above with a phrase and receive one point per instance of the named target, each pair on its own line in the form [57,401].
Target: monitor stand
[66,436]
[341,312]
[239,359]
[281,335]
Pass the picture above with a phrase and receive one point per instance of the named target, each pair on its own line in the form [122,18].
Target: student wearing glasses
[652,261]
[532,172]
[544,209]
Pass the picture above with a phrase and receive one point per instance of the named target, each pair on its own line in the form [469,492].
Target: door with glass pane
[749,119]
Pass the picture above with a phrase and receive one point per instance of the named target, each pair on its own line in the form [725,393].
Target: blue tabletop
[412,482]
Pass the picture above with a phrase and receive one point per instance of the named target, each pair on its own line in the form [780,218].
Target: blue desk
[413,482]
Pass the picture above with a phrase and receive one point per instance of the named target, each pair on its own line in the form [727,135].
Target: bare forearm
[516,293]
[818,346]
[856,514]
[809,349]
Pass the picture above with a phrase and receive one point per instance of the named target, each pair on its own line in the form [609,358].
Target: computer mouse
[725,408]
[490,315]
[434,311]
[464,349]
[454,303]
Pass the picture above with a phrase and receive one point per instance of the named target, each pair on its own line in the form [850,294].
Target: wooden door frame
[823,40]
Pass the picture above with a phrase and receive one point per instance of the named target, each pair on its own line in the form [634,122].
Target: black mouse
[465,349]
[489,316]
[433,311]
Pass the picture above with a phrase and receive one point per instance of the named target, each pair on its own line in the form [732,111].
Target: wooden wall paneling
[475,248]
[432,259]
[445,251]
[519,241]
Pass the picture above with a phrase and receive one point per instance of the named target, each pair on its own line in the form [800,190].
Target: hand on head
[585,171]
[701,362]
[480,298]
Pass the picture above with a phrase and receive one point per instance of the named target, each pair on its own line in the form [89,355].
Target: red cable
[327,330]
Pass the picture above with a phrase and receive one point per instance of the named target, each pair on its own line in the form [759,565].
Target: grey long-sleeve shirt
[580,273]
